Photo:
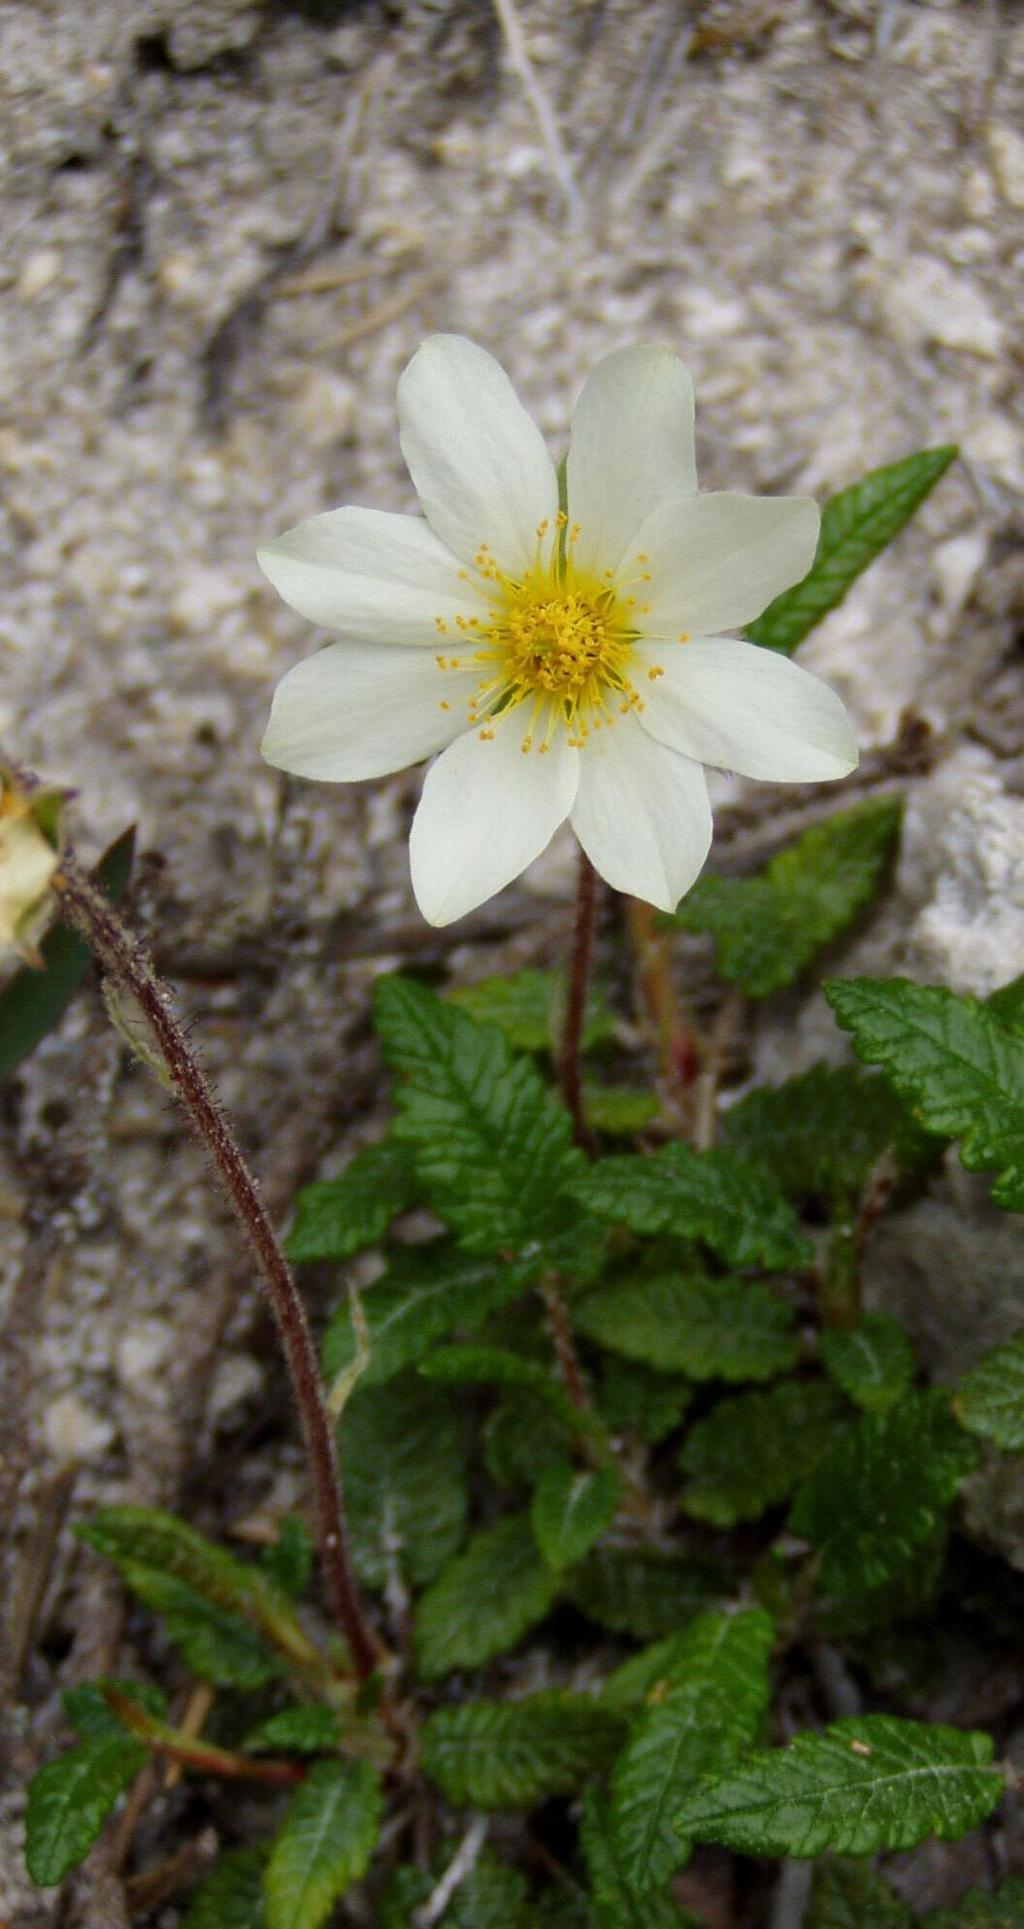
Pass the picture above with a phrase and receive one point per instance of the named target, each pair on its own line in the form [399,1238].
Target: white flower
[29,856]
[565,664]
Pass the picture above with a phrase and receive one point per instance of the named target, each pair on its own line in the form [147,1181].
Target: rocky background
[227,224]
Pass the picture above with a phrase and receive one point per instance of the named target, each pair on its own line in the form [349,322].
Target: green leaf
[881,1492]
[565,1909]
[768,928]
[874,1364]
[718,1692]
[288,1562]
[867,1783]
[726,1329]
[822,1134]
[33,1002]
[485,1600]
[977,1910]
[90,1713]
[69,1801]
[335,1217]
[232,1895]
[616,1904]
[619,1110]
[425,1293]
[494,1365]
[718,1196]
[491,1896]
[636,1399]
[1007,1004]
[528,1009]
[325,1843]
[571,1509]
[753,1451]
[959,1067]
[405,1482]
[303,1730]
[856,525]
[521,1437]
[493,1146]
[222,1612]
[851,1895]
[642,1591]
[511,1754]
[645,1676]
[990,1401]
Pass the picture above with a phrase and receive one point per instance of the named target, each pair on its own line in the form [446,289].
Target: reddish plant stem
[190,1752]
[124,960]
[562,1339]
[570,1076]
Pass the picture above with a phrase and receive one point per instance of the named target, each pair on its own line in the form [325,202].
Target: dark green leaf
[990,1401]
[221,1612]
[616,1905]
[822,1134]
[636,1399]
[289,1561]
[851,1895]
[485,1600]
[325,1843]
[753,1451]
[405,1481]
[494,1365]
[867,1783]
[768,928]
[645,1676]
[529,1009]
[881,1492]
[961,1069]
[874,1364]
[571,1509]
[232,1895]
[521,1437]
[718,1692]
[307,1730]
[726,1329]
[493,1146]
[69,1801]
[33,1002]
[566,1909]
[335,1217]
[511,1754]
[425,1293]
[977,1910]
[491,1896]
[856,525]
[642,1591]
[718,1196]
[1007,1004]
[90,1713]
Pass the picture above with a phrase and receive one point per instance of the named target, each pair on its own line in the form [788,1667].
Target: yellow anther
[487,736]
[655,672]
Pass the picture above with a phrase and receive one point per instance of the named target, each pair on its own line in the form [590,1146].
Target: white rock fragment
[141,1351]
[74,1431]
[1006,147]
[39,273]
[237,1378]
[928,301]
[964,855]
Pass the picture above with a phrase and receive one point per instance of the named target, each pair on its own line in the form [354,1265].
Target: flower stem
[125,962]
[562,1340]
[569,1074]
[678,1055]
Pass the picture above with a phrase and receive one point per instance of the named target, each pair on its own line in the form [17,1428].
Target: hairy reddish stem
[124,960]
[570,1076]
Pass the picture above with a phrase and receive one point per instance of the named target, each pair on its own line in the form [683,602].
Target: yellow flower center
[558,645]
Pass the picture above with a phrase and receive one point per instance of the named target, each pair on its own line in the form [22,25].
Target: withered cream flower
[29,856]
[566,662]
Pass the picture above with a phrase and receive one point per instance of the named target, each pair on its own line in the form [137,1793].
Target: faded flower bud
[30,839]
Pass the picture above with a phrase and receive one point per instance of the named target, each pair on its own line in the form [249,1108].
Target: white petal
[642,814]
[375,577]
[717,561]
[480,465]
[630,449]
[362,710]
[747,709]
[486,812]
